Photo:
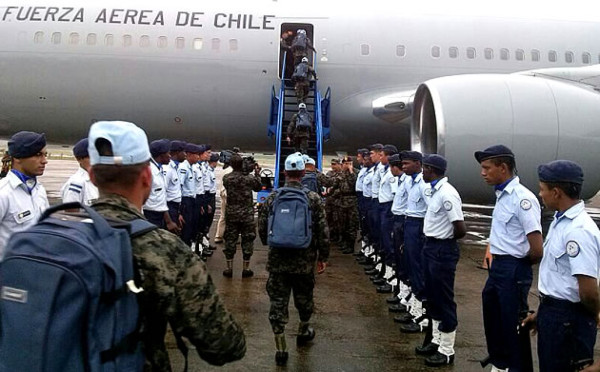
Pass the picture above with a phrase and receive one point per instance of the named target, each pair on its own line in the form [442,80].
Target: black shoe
[228,273]
[303,338]
[394,300]
[403,318]
[247,273]
[397,308]
[428,349]
[348,251]
[386,288]
[438,359]
[411,327]
[281,358]
[372,272]
[207,253]
[381,282]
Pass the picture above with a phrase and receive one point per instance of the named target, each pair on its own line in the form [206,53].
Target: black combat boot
[246,272]
[228,272]
[281,356]
[305,334]
[438,360]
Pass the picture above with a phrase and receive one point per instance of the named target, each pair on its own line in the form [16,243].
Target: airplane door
[290,29]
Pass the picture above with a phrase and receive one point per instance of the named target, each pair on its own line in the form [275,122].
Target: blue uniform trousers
[504,297]
[374,223]
[413,247]
[173,210]
[566,334]
[188,211]
[361,212]
[206,219]
[200,206]
[367,210]
[440,258]
[386,227]
[157,218]
[399,257]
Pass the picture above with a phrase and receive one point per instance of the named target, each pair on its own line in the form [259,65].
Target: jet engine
[540,119]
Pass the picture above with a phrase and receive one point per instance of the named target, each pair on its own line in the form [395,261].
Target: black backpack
[300,72]
[300,42]
[303,121]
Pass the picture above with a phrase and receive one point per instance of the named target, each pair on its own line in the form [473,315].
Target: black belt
[415,218]
[507,257]
[429,238]
[561,304]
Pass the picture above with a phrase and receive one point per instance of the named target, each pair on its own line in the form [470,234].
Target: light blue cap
[308,160]
[294,162]
[129,143]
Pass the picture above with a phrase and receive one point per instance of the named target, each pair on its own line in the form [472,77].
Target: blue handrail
[280,114]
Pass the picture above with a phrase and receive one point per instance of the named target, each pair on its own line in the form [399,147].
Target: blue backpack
[310,182]
[67,295]
[290,222]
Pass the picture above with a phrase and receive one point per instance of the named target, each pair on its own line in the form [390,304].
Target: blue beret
[395,160]
[80,150]
[412,155]
[363,152]
[202,148]
[495,151]
[26,144]
[207,147]
[161,146]
[390,149]
[376,147]
[177,146]
[191,148]
[561,171]
[214,157]
[435,161]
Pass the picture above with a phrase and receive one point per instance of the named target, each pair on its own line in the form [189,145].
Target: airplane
[435,76]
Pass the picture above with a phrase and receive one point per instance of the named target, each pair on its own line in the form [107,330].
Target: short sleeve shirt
[443,208]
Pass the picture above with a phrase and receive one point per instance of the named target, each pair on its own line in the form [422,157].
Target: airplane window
[453,52]
[488,53]
[400,50]
[56,38]
[535,55]
[552,56]
[127,41]
[216,44]
[91,39]
[365,49]
[586,58]
[144,41]
[38,38]
[519,54]
[471,53]
[198,43]
[74,38]
[163,42]
[436,51]
[109,40]
[569,57]
[179,43]
[504,54]
[233,44]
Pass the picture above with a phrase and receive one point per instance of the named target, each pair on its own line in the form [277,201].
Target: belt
[558,303]
[189,197]
[507,257]
[429,238]
[386,203]
[409,218]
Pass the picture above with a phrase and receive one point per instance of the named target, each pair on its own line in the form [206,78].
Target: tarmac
[354,330]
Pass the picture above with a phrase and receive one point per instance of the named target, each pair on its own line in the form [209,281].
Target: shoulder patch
[428,192]
[448,205]
[572,248]
[525,204]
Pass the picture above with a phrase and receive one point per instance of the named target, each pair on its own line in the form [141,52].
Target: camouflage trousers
[348,225]
[333,219]
[301,143]
[246,227]
[301,89]
[279,287]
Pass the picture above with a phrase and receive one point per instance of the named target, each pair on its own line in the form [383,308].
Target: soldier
[368,207]
[332,201]
[292,270]
[301,79]
[300,44]
[205,209]
[299,129]
[210,189]
[188,193]
[313,179]
[173,182]
[360,156]
[78,187]
[568,283]
[516,244]
[373,214]
[345,183]
[177,288]
[239,214]
[22,198]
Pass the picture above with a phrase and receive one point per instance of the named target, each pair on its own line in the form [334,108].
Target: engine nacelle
[539,119]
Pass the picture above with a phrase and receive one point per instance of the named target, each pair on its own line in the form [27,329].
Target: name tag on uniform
[23,216]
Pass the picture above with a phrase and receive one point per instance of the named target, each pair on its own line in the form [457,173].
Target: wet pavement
[355,331]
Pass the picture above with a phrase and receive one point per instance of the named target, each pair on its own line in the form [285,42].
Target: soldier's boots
[393,300]
[305,334]
[429,349]
[397,308]
[228,272]
[438,360]
[385,288]
[246,272]
[281,355]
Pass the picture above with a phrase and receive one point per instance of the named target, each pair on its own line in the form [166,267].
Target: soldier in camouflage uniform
[292,270]
[332,201]
[344,185]
[177,288]
[299,129]
[239,214]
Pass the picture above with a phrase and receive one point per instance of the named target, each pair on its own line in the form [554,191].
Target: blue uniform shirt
[368,181]
[386,185]
[359,179]
[210,180]
[187,179]
[173,183]
[376,182]
[443,208]
[416,205]
[572,247]
[400,196]
[516,214]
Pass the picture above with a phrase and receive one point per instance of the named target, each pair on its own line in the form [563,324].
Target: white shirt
[210,180]
[79,188]
[368,181]
[359,179]
[572,247]
[416,205]
[386,185]
[187,179]
[444,207]
[199,176]
[516,214]
[400,196]
[157,201]
[173,183]
[18,208]
[376,181]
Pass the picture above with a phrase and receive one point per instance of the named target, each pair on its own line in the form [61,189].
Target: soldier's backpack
[300,72]
[290,219]
[299,42]
[309,181]
[68,297]
[303,121]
